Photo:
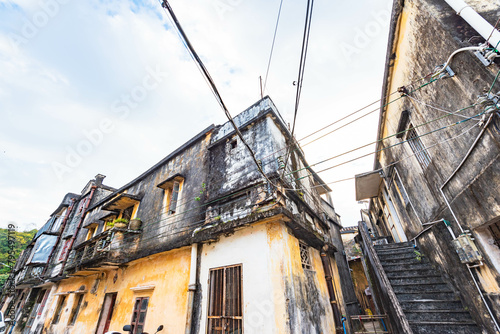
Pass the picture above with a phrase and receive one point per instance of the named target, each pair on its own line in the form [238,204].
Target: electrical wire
[494,81]
[385,148]
[302,65]
[272,46]
[246,190]
[212,85]
[402,159]
[437,108]
[492,31]
[245,208]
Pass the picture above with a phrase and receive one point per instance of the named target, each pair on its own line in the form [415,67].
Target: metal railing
[91,250]
[385,298]
[371,324]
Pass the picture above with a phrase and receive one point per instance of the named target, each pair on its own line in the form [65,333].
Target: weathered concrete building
[436,172]
[203,243]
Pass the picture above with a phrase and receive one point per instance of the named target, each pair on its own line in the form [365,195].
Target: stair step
[405,288]
[392,256]
[428,279]
[410,273]
[394,245]
[405,267]
[427,295]
[431,305]
[408,260]
[437,315]
[402,250]
[447,327]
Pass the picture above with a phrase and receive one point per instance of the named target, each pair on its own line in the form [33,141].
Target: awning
[168,183]
[367,185]
[121,202]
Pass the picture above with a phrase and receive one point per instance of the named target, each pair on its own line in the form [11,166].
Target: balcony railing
[30,274]
[94,250]
[91,250]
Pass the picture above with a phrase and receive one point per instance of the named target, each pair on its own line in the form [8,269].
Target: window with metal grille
[495,233]
[139,315]
[305,258]
[76,309]
[418,147]
[225,310]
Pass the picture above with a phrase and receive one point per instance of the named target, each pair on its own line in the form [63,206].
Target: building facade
[201,243]
[436,172]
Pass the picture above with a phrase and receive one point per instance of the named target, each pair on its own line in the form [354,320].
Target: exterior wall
[168,272]
[426,33]
[278,295]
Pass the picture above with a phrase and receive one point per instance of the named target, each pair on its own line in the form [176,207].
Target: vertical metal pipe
[331,292]
[192,286]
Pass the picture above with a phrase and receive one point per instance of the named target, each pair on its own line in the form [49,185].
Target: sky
[107,86]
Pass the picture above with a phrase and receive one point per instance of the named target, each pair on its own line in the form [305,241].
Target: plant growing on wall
[203,188]
[418,255]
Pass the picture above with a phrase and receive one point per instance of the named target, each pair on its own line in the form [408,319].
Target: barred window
[225,309]
[305,256]
[418,147]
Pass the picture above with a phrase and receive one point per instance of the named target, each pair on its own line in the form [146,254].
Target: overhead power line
[272,45]
[302,65]
[212,85]
[250,206]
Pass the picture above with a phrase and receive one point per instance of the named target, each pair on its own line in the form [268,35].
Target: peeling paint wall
[428,31]
[278,295]
[167,272]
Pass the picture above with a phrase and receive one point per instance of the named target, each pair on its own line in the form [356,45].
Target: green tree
[22,240]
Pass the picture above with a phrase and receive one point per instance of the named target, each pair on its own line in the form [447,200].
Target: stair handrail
[391,304]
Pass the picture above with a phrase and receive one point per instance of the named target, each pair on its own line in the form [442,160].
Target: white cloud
[64,80]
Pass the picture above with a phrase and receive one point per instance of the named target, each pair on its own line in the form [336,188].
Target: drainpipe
[459,166]
[331,292]
[476,21]
[192,286]
[70,247]
[63,226]
[456,219]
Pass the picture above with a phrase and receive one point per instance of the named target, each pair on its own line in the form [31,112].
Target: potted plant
[110,223]
[120,223]
[135,224]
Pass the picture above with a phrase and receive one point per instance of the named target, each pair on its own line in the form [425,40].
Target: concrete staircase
[429,303]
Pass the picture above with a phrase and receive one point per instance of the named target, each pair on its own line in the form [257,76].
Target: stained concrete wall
[425,34]
[278,295]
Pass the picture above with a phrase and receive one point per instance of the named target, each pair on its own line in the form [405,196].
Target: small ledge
[142,288]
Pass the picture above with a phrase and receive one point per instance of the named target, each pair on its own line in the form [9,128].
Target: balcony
[30,275]
[95,252]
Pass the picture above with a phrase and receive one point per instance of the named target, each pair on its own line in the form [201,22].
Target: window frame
[59,309]
[305,256]
[221,298]
[418,148]
[136,311]
[77,304]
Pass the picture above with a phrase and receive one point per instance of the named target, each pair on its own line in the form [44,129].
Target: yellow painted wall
[286,266]
[168,272]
